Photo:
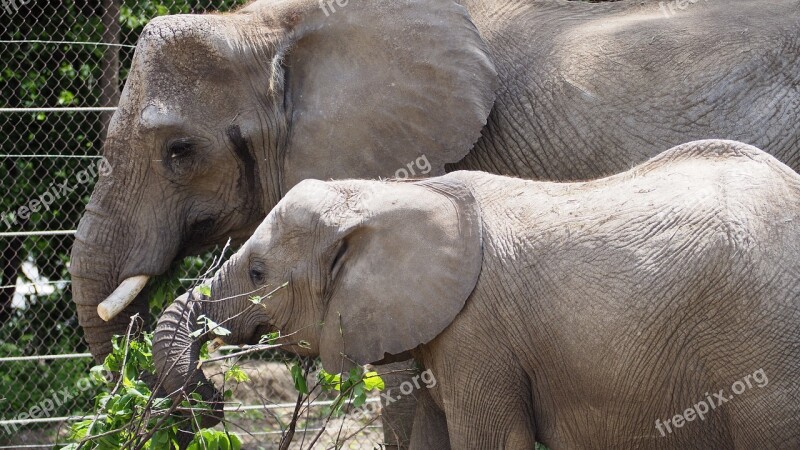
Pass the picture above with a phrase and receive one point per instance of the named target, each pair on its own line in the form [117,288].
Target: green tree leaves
[127,412]
[356,386]
[214,440]
[209,326]
[299,378]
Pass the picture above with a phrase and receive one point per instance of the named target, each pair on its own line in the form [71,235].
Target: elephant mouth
[202,236]
[209,233]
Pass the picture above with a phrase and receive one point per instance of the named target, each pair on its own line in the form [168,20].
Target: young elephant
[605,314]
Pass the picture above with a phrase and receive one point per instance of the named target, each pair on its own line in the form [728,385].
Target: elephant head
[372,270]
[222,114]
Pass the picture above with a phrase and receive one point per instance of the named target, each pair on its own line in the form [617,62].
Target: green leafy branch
[130,415]
[351,393]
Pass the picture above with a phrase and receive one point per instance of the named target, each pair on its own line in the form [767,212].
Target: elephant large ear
[376,84]
[403,270]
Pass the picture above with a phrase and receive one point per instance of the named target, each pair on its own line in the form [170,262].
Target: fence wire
[63,65]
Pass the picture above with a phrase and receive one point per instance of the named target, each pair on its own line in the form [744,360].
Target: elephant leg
[397,408]
[490,426]
[498,416]
[430,425]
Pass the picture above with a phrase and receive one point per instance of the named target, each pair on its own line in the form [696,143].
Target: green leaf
[270,338]
[97,374]
[203,350]
[236,373]
[195,334]
[204,290]
[358,388]
[359,400]
[329,381]
[208,439]
[129,372]
[236,443]
[78,431]
[220,330]
[161,439]
[65,97]
[224,443]
[255,299]
[373,381]
[212,326]
[299,379]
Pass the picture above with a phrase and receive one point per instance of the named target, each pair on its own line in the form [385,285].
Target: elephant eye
[257,276]
[178,157]
[179,148]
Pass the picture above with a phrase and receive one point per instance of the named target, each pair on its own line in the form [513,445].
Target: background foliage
[41,150]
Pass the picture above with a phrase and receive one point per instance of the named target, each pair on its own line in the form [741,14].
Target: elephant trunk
[95,275]
[97,332]
[176,353]
[113,252]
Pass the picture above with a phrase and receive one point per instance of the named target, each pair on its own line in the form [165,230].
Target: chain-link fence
[63,65]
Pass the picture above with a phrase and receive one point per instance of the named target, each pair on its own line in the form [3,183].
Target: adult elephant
[222,114]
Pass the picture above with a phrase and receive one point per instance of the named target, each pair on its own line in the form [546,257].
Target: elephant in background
[574,314]
[222,114]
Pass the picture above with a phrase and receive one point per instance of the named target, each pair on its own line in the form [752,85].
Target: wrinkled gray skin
[222,114]
[574,314]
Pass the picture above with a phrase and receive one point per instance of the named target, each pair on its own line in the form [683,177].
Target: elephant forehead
[181,33]
[188,48]
[277,234]
[312,202]
[165,102]
[300,220]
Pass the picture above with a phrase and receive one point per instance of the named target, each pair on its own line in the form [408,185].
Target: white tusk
[121,297]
